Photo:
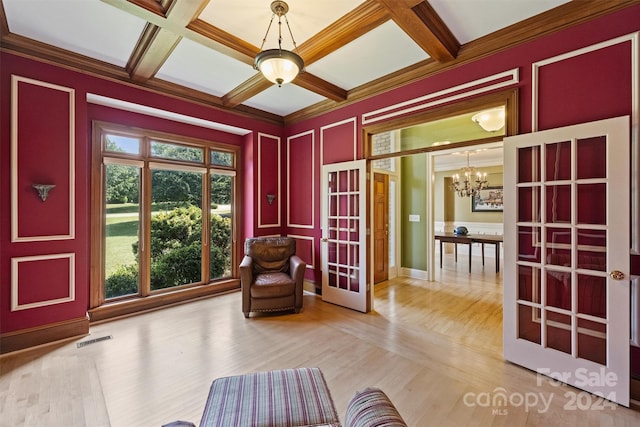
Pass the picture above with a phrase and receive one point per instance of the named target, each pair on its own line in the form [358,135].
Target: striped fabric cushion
[284,398]
[372,408]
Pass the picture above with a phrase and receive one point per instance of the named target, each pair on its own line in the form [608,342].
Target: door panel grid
[572,305]
[343,244]
[344,234]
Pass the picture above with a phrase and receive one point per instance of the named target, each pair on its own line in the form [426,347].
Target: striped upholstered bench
[289,398]
[284,398]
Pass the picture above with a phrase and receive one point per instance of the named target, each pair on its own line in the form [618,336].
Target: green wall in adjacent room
[413,199]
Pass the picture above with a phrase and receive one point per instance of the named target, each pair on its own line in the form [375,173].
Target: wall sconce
[271,198]
[43,190]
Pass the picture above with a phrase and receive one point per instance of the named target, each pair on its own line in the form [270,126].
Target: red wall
[43,156]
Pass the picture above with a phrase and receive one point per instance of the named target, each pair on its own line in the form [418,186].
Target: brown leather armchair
[271,275]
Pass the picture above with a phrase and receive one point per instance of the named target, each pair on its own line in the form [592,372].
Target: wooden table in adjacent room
[470,239]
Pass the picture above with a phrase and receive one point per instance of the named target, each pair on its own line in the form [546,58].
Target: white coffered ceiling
[208,45]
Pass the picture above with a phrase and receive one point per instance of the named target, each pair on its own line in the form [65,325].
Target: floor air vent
[93,341]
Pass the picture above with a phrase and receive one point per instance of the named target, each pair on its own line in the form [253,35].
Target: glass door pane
[221,226]
[122,229]
[343,242]
[176,228]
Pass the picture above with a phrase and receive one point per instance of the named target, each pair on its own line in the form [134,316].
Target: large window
[163,216]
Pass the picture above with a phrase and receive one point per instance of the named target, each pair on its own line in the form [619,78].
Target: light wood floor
[434,348]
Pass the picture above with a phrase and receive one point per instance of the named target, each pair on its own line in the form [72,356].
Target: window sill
[122,308]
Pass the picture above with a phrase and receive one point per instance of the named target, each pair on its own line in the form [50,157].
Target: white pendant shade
[278,66]
[490,120]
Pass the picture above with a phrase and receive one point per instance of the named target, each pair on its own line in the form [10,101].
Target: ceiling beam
[204,33]
[246,90]
[152,6]
[321,87]
[157,43]
[258,83]
[425,27]
[358,22]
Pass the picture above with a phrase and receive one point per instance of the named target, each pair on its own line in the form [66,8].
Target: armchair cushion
[270,254]
[269,285]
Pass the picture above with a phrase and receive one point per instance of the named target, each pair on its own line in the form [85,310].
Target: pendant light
[279,66]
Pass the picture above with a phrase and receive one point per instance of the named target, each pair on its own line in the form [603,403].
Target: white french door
[344,233]
[566,283]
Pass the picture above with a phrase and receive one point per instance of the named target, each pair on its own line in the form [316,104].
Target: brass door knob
[616,275]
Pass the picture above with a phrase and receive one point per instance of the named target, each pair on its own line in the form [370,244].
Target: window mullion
[206,225]
[145,234]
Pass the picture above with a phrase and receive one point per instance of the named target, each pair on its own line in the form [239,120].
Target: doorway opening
[413,163]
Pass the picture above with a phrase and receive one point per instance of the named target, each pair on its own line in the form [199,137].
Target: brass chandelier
[469,181]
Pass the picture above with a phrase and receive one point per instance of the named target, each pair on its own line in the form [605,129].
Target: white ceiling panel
[306,18]
[379,52]
[87,27]
[284,100]
[195,66]
[472,19]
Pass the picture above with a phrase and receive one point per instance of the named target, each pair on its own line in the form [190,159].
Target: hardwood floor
[434,348]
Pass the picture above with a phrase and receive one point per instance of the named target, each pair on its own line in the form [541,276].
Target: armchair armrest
[297,268]
[246,266]
[246,278]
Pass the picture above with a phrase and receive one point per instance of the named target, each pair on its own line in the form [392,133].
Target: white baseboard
[413,273]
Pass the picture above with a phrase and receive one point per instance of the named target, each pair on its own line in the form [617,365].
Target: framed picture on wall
[488,200]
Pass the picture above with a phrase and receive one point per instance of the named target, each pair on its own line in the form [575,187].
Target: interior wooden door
[380,227]
[344,233]
[566,283]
